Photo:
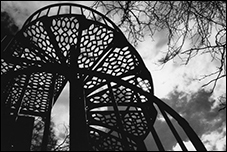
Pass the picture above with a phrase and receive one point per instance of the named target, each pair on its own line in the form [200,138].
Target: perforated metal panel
[117,87]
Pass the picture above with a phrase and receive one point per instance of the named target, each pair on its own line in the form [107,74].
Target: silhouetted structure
[112,104]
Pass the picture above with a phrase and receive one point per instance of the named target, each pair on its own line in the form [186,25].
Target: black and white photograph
[113,75]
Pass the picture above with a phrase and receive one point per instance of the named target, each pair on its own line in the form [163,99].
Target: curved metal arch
[128,97]
[38,12]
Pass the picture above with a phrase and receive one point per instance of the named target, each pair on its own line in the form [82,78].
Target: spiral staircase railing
[112,103]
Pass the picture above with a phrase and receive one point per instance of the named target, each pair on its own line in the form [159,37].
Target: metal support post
[78,126]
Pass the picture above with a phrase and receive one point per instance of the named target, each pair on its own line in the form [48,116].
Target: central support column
[78,127]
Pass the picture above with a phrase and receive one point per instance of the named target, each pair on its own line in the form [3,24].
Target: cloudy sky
[174,84]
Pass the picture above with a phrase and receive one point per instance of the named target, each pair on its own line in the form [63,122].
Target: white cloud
[60,114]
[60,111]
[187,144]
[181,77]
[184,77]
[215,141]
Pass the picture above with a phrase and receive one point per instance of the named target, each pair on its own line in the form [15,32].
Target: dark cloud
[197,111]
[8,26]
[19,11]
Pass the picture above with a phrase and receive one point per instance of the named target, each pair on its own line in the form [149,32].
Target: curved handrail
[38,12]
[182,122]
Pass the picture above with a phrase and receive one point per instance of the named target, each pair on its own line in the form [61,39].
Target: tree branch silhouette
[38,135]
[202,24]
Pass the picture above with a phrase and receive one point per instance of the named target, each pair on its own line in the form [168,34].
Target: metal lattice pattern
[94,41]
[36,96]
[129,106]
[65,31]
[118,91]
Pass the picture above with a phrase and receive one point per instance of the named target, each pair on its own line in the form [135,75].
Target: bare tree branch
[196,21]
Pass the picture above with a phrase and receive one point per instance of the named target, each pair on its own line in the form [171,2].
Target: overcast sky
[173,83]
